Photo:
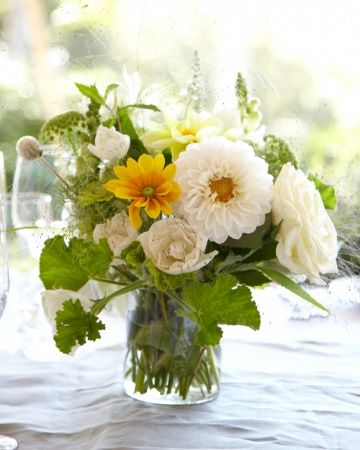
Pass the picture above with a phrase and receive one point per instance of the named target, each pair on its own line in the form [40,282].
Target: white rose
[174,247]
[118,231]
[307,242]
[52,302]
[110,144]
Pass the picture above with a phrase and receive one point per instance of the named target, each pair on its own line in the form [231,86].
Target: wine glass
[38,209]
[6,443]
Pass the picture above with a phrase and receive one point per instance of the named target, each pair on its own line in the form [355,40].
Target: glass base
[7,443]
[194,396]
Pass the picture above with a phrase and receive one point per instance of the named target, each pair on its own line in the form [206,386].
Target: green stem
[104,280]
[100,304]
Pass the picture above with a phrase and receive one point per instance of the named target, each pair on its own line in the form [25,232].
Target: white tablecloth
[300,395]
[294,384]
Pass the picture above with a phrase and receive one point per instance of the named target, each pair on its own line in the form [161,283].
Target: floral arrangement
[189,209]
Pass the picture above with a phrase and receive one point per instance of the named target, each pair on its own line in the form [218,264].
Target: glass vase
[163,363]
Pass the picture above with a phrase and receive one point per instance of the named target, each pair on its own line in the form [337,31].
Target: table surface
[281,390]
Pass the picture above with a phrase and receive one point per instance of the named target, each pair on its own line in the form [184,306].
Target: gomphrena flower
[28,148]
[148,184]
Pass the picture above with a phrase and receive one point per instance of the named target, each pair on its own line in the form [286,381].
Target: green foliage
[224,302]
[137,148]
[71,266]
[74,326]
[289,284]
[164,281]
[251,240]
[276,153]
[142,106]
[91,92]
[251,278]
[133,254]
[326,191]
[70,127]
[241,91]
[94,193]
[109,89]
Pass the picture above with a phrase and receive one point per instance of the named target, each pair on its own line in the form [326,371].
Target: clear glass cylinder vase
[163,363]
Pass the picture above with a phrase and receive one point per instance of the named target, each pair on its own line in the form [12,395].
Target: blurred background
[300,58]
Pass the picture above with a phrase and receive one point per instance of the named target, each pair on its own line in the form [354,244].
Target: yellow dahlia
[148,184]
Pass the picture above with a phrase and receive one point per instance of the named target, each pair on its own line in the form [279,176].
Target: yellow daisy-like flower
[148,184]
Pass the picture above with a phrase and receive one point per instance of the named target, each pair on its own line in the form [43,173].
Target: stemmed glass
[6,443]
[37,207]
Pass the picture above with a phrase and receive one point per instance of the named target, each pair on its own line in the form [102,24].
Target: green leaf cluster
[71,266]
[327,192]
[133,254]
[136,148]
[75,326]
[224,302]
[276,153]
[164,281]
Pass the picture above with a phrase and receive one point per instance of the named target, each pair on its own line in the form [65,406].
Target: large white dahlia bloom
[226,188]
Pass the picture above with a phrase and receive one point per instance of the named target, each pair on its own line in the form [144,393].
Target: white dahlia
[226,188]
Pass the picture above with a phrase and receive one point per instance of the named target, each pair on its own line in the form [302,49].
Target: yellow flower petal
[122,173]
[169,171]
[133,169]
[164,205]
[112,185]
[152,208]
[174,195]
[146,163]
[134,216]
[126,193]
[164,188]
[159,163]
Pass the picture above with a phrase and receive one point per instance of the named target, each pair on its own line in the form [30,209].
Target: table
[296,387]
[299,395]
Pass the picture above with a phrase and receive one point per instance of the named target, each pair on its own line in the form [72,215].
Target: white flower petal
[307,242]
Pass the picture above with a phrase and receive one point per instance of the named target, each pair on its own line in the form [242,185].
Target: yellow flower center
[186,131]
[148,191]
[223,188]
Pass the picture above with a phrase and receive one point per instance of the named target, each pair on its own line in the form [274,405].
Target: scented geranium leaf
[70,267]
[291,285]
[276,153]
[75,326]
[224,302]
[133,254]
[164,281]
[94,258]
[327,192]
[91,92]
[58,268]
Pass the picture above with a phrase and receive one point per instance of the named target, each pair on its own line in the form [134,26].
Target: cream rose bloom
[110,144]
[307,242]
[174,247]
[118,231]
